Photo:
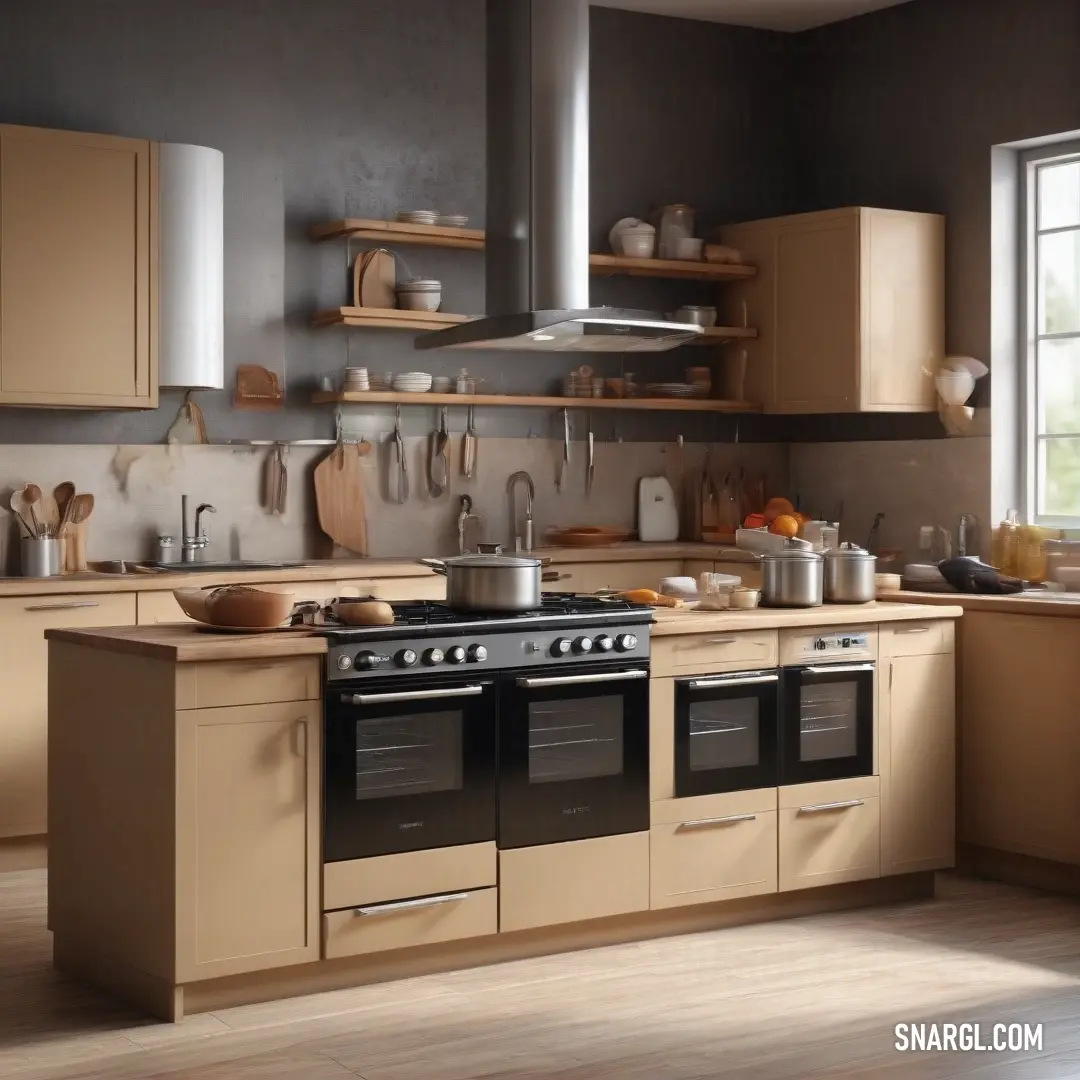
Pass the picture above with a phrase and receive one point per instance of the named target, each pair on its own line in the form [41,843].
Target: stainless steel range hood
[537,251]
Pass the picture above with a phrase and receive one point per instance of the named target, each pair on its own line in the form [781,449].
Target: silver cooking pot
[491,581]
[791,577]
[849,575]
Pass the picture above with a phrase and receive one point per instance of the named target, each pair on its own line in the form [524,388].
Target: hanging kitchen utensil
[271,480]
[468,447]
[257,388]
[710,499]
[590,458]
[282,490]
[374,279]
[339,496]
[189,427]
[397,483]
[560,475]
[439,458]
[462,521]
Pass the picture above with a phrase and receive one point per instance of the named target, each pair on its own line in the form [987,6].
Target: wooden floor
[808,998]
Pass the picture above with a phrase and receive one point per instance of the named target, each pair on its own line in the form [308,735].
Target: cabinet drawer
[430,587]
[715,653]
[591,576]
[829,833]
[413,873]
[402,924]
[709,859]
[571,882]
[918,638]
[247,682]
[160,607]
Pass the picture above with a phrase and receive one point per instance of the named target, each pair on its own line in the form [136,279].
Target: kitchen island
[186,816]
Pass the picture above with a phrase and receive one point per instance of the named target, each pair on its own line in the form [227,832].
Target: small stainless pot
[849,575]
[490,581]
[791,577]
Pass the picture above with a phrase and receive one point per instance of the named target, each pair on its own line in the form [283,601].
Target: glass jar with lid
[676,223]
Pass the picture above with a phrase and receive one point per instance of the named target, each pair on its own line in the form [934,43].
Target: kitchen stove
[430,637]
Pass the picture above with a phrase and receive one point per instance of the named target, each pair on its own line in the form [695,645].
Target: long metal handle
[300,738]
[721,640]
[408,905]
[568,680]
[63,606]
[412,695]
[704,823]
[819,807]
[838,669]
[913,630]
[735,680]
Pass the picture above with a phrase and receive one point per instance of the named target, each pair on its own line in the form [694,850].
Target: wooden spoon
[32,494]
[63,493]
[18,508]
[82,506]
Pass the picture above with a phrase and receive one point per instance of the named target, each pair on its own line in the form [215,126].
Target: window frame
[1030,161]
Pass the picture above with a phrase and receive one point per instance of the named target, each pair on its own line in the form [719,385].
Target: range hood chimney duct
[537,229]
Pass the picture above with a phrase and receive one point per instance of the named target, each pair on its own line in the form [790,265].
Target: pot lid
[511,561]
[793,554]
[851,551]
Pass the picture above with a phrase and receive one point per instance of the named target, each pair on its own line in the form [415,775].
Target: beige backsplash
[138,489]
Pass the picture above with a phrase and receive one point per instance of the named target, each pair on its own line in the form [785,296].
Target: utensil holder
[41,556]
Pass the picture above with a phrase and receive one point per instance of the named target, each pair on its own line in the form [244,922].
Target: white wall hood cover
[191,190]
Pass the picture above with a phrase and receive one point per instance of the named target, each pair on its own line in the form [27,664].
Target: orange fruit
[785,525]
[775,507]
[802,518]
[754,521]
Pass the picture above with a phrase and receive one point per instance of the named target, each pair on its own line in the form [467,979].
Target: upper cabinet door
[77,269]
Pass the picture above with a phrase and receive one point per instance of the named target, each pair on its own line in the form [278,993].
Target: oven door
[408,764]
[725,733]
[827,727]
[573,754]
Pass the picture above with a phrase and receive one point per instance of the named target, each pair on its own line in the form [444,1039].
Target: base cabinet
[247,856]
[829,833]
[721,858]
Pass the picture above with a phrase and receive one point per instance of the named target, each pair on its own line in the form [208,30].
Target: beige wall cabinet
[24,658]
[917,747]
[849,306]
[591,576]
[78,269]
[247,857]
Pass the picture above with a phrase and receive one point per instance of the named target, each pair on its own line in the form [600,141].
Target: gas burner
[554,605]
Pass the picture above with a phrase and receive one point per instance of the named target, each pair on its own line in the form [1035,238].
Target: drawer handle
[914,630]
[733,680]
[408,905]
[68,604]
[821,807]
[704,823]
[300,738]
[721,641]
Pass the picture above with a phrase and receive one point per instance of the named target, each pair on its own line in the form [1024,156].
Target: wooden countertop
[184,643]
[691,621]
[340,569]
[1010,605]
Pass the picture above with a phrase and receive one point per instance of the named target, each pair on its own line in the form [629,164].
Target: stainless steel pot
[491,581]
[849,575]
[791,577]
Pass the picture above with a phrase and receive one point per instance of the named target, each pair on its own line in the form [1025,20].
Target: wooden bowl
[360,611]
[242,605]
[193,603]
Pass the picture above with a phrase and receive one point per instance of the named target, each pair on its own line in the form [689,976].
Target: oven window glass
[724,734]
[409,755]
[828,715]
[575,739]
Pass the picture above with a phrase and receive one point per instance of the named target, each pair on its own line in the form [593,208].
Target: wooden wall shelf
[391,232]
[377,397]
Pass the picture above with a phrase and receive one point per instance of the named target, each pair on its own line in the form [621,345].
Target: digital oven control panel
[842,643]
[816,646]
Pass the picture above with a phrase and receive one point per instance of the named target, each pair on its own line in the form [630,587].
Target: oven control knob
[477,654]
[603,644]
[583,644]
[560,647]
[365,661]
[626,642]
[344,662]
[433,657]
[455,654]
[405,658]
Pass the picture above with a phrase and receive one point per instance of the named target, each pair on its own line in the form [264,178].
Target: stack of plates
[417,217]
[670,389]
[455,221]
[382,382]
[356,378]
[412,382]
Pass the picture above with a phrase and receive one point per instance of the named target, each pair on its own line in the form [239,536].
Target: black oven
[573,753]
[409,763]
[827,722]
[725,733]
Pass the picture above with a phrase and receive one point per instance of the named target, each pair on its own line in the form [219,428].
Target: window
[1051,320]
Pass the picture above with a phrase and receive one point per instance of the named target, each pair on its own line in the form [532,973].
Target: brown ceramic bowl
[244,606]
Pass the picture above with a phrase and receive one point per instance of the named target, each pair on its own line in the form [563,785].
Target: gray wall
[363,107]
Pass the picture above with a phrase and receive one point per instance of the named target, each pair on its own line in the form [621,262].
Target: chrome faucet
[530,494]
[193,543]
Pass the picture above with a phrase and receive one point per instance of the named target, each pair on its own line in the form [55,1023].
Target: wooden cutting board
[339,496]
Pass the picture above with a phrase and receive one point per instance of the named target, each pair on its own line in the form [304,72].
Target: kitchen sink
[238,565]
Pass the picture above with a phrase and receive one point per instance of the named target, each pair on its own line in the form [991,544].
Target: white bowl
[954,387]
[621,226]
[638,245]
[419,301]
[688,247]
